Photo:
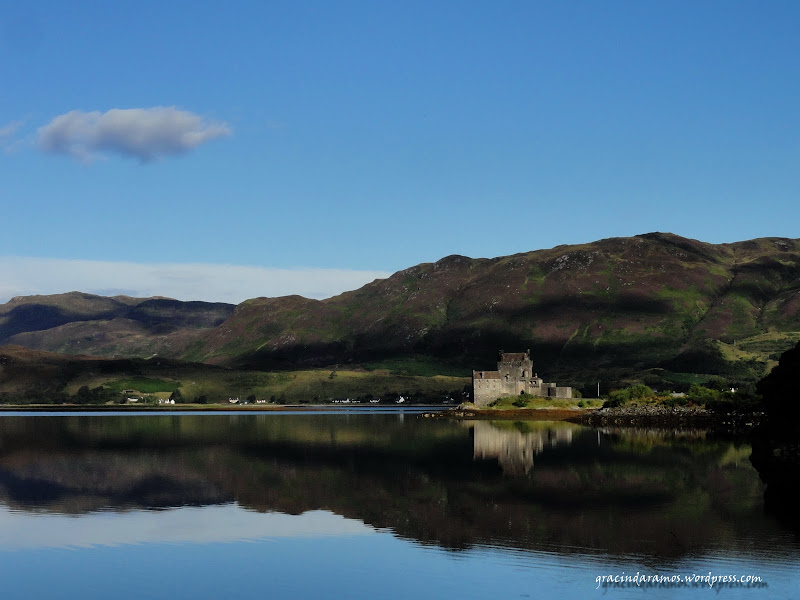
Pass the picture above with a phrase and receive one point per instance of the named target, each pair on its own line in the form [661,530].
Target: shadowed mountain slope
[48,376]
[642,302]
[619,305]
[77,323]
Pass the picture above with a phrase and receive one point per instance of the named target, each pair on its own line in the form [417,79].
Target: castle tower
[514,376]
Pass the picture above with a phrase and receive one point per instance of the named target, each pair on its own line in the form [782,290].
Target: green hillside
[657,306]
[121,326]
[35,377]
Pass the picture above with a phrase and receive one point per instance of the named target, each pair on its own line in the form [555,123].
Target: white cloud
[8,134]
[9,129]
[21,276]
[143,133]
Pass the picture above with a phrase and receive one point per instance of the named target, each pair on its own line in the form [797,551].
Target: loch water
[368,504]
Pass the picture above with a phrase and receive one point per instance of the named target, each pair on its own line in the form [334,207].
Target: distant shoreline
[206,408]
[519,414]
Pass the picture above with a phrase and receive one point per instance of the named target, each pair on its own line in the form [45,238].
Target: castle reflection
[515,444]
[450,483]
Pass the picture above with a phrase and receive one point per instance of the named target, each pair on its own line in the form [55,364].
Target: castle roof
[514,356]
[486,374]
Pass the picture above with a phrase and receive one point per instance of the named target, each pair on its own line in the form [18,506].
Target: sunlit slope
[32,376]
[640,302]
[612,307]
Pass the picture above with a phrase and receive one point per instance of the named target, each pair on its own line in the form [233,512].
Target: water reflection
[197,525]
[553,487]
[515,443]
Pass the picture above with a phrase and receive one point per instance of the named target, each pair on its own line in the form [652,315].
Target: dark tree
[84,395]
[781,388]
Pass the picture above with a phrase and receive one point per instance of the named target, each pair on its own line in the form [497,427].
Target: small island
[514,377]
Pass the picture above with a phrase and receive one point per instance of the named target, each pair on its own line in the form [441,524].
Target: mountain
[626,304]
[655,305]
[77,323]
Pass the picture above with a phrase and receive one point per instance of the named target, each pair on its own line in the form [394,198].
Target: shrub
[625,395]
[738,402]
[672,401]
[704,395]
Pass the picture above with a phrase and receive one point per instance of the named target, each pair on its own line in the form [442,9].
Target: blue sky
[366,137]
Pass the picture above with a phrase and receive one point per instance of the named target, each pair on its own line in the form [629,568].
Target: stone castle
[514,376]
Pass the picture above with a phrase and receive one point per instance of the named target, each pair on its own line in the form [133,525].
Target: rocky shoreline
[625,416]
[681,416]
[519,414]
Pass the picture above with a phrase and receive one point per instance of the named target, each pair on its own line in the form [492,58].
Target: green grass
[526,401]
[307,386]
[421,366]
[317,385]
[770,343]
[145,385]
[685,378]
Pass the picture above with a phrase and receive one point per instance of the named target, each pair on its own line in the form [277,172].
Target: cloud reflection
[185,525]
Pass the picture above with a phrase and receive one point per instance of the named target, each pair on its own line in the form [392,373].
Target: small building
[514,376]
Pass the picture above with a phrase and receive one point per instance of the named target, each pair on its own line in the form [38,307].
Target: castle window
[523,372]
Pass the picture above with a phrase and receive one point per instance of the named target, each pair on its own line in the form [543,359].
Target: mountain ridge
[116,326]
[656,301]
[638,302]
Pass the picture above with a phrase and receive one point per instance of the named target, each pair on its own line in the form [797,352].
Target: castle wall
[517,369]
[563,392]
[514,376]
[485,391]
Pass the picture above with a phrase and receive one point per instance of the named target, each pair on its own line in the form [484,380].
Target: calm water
[375,505]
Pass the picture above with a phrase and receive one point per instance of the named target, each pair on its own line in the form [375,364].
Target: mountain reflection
[656,493]
[203,524]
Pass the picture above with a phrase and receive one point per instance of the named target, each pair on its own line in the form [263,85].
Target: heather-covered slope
[632,303]
[77,323]
[651,305]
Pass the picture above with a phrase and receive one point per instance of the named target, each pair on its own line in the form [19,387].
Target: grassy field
[423,366]
[295,386]
[144,385]
[526,401]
